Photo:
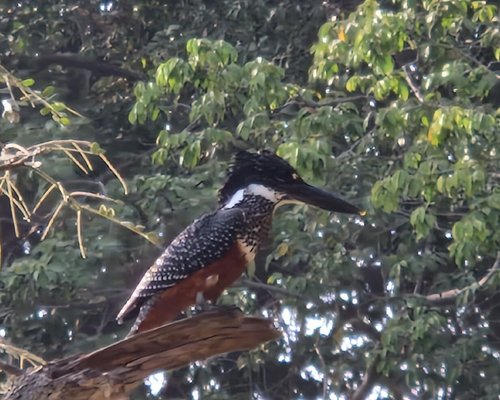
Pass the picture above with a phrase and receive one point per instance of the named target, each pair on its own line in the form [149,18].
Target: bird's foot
[206,306]
[223,307]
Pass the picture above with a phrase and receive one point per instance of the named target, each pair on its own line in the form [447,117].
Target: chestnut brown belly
[210,281]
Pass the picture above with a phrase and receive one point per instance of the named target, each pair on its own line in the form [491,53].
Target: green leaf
[352,83]
[58,106]
[155,113]
[494,201]
[48,91]
[45,111]
[417,216]
[159,156]
[96,149]
[386,63]
[440,184]
[403,91]
[132,115]
[434,134]
[28,82]
[64,121]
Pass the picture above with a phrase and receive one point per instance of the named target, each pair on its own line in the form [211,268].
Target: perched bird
[213,252]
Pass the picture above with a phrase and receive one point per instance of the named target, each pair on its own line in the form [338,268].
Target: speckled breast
[255,233]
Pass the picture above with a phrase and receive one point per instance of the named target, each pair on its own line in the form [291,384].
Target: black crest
[264,168]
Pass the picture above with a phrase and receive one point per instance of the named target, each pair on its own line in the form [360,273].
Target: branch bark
[112,372]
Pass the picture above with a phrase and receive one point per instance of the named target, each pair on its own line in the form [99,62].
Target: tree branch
[398,387]
[364,389]
[10,369]
[372,377]
[412,85]
[114,371]
[78,61]
[449,296]
[247,283]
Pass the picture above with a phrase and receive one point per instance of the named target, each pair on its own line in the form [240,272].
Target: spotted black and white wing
[205,241]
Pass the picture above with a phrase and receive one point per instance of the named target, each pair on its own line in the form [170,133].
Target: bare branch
[21,354]
[14,156]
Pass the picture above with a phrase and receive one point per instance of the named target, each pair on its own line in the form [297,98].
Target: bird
[214,251]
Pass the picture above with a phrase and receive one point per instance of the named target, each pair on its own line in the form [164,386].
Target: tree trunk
[114,371]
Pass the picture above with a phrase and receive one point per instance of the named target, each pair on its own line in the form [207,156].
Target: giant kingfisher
[214,251]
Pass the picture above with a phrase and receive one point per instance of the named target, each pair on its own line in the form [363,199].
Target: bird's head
[270,176]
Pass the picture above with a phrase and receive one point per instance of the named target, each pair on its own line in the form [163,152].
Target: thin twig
[15,106]
[12,208]
[79,233]
[74,160]
[21,204]
[95,195]
[84,156]
[31,95]
[128,225]
[44,196]
[115,172]
[52,219]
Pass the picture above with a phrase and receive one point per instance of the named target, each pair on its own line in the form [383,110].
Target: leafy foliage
[396,107]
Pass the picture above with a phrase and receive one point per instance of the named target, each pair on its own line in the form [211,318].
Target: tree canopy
[119,121]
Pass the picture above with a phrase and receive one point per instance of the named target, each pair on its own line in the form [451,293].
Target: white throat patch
[254,190]
[235,199]
[264,191]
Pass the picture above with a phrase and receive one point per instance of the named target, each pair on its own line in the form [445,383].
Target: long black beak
[314,196]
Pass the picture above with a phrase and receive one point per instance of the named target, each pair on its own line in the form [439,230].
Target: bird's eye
[295,176]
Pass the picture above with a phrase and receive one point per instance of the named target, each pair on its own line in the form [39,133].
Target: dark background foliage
[394,104]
